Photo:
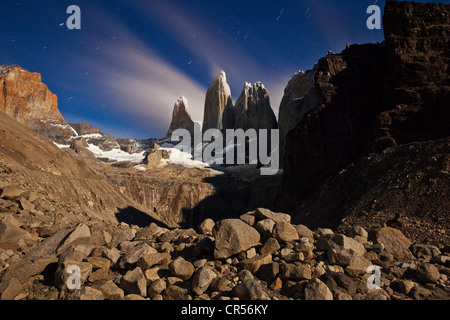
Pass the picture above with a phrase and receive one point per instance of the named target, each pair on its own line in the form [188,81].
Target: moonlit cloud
[220,51]
[144,84]
[141,81]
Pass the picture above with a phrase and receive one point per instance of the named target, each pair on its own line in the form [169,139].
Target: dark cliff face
[371,97]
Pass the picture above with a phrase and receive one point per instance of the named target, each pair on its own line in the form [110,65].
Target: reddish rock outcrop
[24,97]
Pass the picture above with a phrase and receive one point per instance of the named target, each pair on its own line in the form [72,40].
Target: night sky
[124,70]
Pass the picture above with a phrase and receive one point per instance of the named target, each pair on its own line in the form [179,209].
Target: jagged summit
[219,110]
[181,117]
[253,110]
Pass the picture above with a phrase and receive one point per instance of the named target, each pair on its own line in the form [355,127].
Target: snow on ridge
[116,154]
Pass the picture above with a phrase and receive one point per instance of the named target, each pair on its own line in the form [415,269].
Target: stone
[234,236]
[304,232]
[405,286]
[132,256]
[360,231]
[149,232]
[342,250]
[111,291]
[276,285]
[249,290]
[181,118]
[10,289]
[202,280]
[174,292]
[249,218]
[394,242]
[112,254]
[206,227]
[147,261]
[317,290]
[285,232]
[134,282]
[99,263]
[339,281]
[11,192]
[100,274]
[157,287]
[181,268]
[262,214]
[269,271]
[424,251]
[270,246]
[26,268]
[265,228]
[24,204]
[152,274]
[300,272]
[427,273]
[358,266]
[81,231]
[10,232]
[255,263]
[134,297]
[244,275]
[122,235]
[91,294]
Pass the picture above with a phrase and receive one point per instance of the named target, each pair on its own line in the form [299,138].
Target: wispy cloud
[219,50]
[139,79]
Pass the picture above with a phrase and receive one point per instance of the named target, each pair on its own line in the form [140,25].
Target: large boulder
[394,242]
[233,236]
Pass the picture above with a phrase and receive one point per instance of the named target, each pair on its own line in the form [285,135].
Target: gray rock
[132,256]
[265,228]
[249,290]
[262,214]
[181,268]
[427,273]
[206,227]
[285,232]
[10,289]
[111,291]
[234,236]
[202,280]
[134,282]
[317,290]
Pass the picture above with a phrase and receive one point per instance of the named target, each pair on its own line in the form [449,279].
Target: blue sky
[132,59]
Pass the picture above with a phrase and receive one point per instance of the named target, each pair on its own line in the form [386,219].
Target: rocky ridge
[261,256]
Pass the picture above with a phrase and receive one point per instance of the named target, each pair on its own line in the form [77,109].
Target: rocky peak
[24,97]
[181,118]
[372,97]
[84,128]
[299,98]
[218,112]
[253,110]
